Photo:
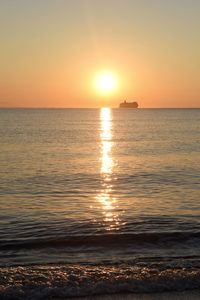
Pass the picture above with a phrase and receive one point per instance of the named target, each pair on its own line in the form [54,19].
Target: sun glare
[106,82]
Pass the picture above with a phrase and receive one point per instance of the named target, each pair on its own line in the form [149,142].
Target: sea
[98,201]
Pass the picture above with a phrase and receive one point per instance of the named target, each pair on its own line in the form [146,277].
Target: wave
[59,281]
[106,240]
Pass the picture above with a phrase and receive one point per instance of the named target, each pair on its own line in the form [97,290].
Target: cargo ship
[128,104]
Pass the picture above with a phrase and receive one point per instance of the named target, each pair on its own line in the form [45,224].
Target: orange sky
[52,51]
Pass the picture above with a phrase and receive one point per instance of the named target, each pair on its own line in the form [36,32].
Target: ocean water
[98,200]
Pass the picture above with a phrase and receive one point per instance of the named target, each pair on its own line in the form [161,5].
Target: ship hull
[128,105]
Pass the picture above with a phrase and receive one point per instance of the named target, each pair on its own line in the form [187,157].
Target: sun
[106,82]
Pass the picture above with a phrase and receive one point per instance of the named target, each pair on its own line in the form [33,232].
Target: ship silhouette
[128,104]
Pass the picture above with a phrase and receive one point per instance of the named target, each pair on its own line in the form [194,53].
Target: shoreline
[185,295]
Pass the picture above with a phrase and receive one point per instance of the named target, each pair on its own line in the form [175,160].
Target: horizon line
[64,107]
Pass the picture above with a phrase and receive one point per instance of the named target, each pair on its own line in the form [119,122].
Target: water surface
[99,186]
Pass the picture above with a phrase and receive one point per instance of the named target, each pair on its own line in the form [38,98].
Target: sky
[52,51]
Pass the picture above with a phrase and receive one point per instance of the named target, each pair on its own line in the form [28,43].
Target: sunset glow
[106,82]
[83,55]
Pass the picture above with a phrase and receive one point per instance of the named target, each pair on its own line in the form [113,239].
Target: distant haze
[51,51]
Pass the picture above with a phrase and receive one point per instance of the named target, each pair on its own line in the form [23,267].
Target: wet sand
[186,295]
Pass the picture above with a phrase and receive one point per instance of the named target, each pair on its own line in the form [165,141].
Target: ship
[128,104]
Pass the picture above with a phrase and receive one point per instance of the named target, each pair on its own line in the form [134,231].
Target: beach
[73,281]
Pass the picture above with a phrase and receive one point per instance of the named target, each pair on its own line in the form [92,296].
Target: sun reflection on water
[106,141]
[105,197]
